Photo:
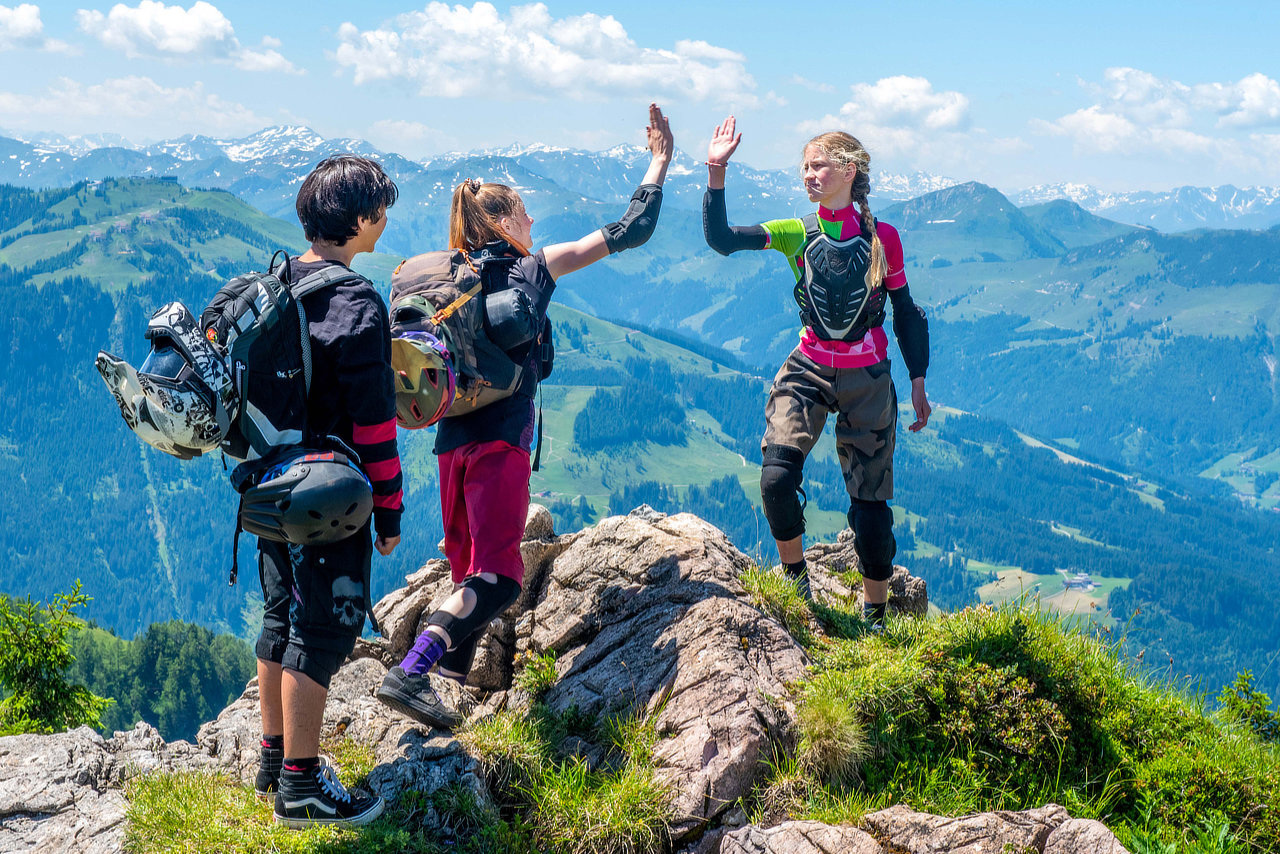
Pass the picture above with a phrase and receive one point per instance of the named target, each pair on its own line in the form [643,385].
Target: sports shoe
[414,696]
[801,579]
[307,798]
[268,779]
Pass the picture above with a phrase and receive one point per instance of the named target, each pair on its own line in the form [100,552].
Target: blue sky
[1121,95]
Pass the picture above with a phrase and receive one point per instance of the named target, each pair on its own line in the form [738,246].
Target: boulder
[984,833]
[63,792]
[907,593]
[1083,836]
[646,613]
[799,837]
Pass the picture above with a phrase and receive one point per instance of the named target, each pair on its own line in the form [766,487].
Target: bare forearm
[657,171]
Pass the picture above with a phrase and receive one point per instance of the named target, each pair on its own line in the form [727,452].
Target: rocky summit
[645,613]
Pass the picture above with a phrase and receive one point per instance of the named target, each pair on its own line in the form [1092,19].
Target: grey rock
[63,792]
[907,593]
[984,833]
[1083,836]
[646,613]
[800,837]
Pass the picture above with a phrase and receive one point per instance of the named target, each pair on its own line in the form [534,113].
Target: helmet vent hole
[284,504]
[315,514]
[351,509]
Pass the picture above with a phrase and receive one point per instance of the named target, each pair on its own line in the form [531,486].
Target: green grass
[565,803]
[1011,708]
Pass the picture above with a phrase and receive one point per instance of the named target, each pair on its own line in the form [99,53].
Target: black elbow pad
[638,223]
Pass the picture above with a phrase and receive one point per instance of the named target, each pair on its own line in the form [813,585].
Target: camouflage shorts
[866,404]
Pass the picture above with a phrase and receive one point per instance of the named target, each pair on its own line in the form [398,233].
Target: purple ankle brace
[427,650]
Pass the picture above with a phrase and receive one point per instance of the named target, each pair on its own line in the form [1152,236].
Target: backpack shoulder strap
[323,278]
[811,227]
[311,283]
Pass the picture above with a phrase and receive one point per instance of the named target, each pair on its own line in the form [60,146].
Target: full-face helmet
[183,399]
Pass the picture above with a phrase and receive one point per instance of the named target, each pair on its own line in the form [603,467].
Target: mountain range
[38,160]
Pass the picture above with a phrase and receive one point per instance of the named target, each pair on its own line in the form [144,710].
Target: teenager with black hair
[315,595]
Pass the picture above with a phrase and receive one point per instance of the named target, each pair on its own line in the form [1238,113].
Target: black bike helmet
[308,498]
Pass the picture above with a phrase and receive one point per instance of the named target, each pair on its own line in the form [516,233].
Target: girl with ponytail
[846,264]
[484,455]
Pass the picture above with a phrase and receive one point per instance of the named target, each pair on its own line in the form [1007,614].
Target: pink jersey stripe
[372,434]
[383,469]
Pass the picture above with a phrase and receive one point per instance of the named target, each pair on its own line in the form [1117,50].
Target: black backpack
[257,319]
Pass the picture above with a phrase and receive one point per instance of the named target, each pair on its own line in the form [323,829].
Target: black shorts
[315,599]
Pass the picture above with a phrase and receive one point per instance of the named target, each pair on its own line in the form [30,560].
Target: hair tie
[473,184]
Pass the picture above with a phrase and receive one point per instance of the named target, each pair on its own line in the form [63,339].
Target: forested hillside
[982,512]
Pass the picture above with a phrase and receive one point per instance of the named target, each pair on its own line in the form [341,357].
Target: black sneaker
[414,696]
[801,579]
[268,779]
[307,798]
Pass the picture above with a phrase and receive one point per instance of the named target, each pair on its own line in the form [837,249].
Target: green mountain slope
[969,222]
[632,417]
[1072,225]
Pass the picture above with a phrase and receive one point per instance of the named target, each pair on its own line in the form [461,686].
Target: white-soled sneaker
[318,797]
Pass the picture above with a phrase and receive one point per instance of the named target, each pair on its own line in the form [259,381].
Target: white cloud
[201,32]
[825,88]
[460,51]
[1140,114]
[904,119]
[131,106]
[21,26]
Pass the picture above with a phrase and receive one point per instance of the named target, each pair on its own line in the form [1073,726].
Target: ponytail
[475,211]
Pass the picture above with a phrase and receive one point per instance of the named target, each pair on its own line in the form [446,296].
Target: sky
[1119,95]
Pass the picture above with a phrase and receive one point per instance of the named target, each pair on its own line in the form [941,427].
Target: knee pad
[487,599]
[781,476]
[872,524]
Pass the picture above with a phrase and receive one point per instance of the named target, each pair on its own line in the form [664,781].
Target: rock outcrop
[645,614]
[907,594]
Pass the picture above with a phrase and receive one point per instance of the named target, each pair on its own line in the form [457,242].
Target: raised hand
[660,141]
[724,142]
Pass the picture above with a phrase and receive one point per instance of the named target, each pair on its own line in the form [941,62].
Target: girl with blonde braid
[846,265]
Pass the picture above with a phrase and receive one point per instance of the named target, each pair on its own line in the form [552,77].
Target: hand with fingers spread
[724,142]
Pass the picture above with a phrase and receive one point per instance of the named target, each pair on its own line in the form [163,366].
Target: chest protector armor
[835,299]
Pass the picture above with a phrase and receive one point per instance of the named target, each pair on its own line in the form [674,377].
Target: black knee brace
[872,524]
[781,476]
[488,599]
